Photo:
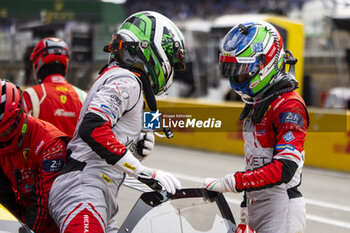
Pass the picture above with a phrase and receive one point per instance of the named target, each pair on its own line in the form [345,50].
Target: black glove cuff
[139,147]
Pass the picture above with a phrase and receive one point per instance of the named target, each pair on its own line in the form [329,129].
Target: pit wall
[327,143]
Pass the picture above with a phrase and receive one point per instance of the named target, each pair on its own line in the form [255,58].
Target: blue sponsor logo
[288,137]
[28,186]
[261,132]
[151,120]
[258,47]
[291,117]
[53,165]
[107,110]
[284,146]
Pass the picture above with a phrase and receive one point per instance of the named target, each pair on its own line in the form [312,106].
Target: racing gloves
[145,145]
[155,179]
[226,184]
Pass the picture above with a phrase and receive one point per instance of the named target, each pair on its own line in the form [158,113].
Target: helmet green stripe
[247,53]
[142,31]
[262,83]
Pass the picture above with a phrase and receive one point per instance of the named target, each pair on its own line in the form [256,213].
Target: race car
[188,210]
[10,224]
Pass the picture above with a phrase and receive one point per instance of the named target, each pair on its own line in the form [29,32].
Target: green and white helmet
[252,54]
[151,44]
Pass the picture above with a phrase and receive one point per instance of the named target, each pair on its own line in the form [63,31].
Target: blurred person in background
[53,99]
[28,67]
[32,154]
[144,53]
[276,120]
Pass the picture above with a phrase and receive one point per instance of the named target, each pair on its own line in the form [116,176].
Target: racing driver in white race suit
[275,124]
[144,53]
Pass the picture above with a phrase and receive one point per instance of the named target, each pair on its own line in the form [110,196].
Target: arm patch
[291,117]
[284,146]
[53,165]
[107,110]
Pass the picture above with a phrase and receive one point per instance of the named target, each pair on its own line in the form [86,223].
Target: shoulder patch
[53,165]
[291,117]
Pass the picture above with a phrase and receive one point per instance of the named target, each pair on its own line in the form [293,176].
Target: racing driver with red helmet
[32,153]
[53,99]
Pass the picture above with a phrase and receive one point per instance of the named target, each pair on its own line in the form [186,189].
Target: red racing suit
[27,173]
[274,152]
[56,101]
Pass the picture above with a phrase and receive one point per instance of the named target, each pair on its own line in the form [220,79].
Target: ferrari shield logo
[63,99]
[25,153]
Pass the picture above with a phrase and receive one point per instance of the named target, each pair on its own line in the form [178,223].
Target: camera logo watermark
[226,119]
[151,120]
[157,120]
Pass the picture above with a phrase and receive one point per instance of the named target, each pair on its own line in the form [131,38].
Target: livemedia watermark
[226,119]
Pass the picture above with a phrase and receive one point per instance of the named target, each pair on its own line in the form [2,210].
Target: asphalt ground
[327,193]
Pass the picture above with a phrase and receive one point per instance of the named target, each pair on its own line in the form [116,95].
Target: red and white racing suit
[83,197]
[27,173]
[56,101]
[274,152]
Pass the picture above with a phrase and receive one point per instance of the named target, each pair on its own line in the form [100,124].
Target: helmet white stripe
[269,44]
[3,99]
[267,41]
[127,33]
[158,40]
[267,69]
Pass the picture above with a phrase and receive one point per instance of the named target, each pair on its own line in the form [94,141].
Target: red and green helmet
[151,43]
[251,57]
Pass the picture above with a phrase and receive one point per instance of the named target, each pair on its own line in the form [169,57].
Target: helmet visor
[239,69]
[8,128]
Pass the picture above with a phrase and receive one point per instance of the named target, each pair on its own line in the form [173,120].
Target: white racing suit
[274,152]
[87,188]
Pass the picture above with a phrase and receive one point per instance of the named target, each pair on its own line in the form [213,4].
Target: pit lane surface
[326,192]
